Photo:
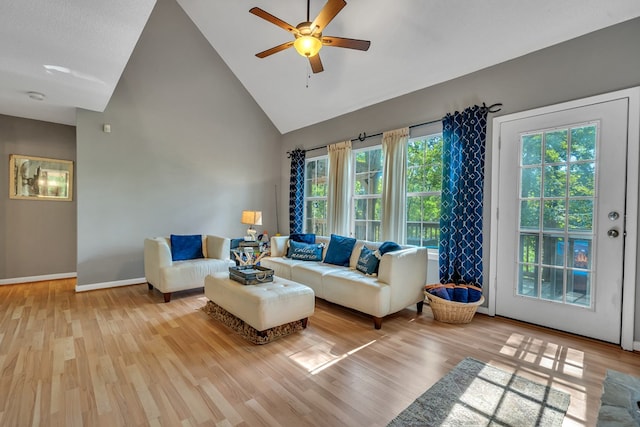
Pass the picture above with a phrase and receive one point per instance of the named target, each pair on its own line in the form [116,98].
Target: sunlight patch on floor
[547,355]
[319,357]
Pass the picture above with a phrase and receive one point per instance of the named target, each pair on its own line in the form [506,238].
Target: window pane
[424,183]
[555,147]
[579,288]
[360,186]
[315,189]
[528,280]
[529,248]
[310,172]
[555,181]
[581,215]
[552,284]
[554,215]
[582,179]
[374,231]
[530,214]
[583,143]
[531,149]
[360,230]
[376,209]
[430,234]
[553,250]
[414,236]
[360,207]
[414,209]
[530,182]
[362,161]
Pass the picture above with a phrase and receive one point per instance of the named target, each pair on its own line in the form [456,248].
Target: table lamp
[252,218]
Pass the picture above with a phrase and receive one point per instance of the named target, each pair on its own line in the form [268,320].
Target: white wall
[189,149]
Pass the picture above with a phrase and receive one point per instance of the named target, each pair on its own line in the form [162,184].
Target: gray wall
[189,149]
[596,63]
[37,238]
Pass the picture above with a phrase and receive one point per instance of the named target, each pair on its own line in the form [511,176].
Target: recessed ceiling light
[36,95]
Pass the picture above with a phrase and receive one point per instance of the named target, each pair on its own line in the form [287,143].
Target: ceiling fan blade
[316,64]
[275,49]
[348,43]
[274,20]
[328,12]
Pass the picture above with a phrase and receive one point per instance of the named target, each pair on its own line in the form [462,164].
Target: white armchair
[170,276]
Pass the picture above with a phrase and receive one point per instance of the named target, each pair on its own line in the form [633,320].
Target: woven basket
[452,311]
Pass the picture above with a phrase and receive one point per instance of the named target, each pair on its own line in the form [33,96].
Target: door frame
[632,196]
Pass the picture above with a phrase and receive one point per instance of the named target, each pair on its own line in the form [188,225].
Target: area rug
[476,394]
[620,401]
[248,332]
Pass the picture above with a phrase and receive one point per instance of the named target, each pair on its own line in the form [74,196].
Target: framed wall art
[39,178]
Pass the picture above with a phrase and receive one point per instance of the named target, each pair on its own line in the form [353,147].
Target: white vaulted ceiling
[74,52]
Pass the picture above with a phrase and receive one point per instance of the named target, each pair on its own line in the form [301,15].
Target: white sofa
[400,282]
[170,276]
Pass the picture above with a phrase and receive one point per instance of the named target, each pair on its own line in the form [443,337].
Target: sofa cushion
[367,262]
[352,289]
[339,250]
[281,266]
[312,273]
[305,251]
[185,247]
[190,274]
[303,237]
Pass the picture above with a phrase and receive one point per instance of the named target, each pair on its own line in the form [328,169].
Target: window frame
[310,199]
[431,132]
[370,234]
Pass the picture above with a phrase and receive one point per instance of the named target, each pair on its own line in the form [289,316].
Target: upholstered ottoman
[262,306]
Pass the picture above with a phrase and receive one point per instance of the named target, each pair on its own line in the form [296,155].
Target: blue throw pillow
[186,247]
[303,237]
[388,247]
[305,251]
[339,250]
[367,262]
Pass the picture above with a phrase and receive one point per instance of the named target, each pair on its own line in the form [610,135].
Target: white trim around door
[631,238]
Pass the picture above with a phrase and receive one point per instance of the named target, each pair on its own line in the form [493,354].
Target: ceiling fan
[308,35]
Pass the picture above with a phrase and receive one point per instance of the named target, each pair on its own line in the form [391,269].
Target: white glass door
[562,186]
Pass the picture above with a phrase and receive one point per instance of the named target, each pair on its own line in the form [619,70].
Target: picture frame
[40,178]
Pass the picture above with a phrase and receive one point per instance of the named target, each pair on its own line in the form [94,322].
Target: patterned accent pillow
[305,251]
[186,247]
[367,262]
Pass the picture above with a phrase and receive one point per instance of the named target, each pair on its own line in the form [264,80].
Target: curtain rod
[493,108]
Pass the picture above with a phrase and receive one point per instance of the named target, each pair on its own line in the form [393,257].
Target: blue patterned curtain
[296,192]
[464,136]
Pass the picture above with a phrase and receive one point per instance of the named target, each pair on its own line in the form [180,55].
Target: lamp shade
[251,217]
[307,45]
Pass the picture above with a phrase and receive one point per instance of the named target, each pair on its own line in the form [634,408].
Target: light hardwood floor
[123,357]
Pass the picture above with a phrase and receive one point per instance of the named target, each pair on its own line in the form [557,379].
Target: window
[367,191]
[424,187]
[424,182]
[315,195]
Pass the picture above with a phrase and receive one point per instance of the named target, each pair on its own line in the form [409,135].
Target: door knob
[613,233]
[613,215]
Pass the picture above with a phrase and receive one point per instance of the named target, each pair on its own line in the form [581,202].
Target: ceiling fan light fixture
[307,46]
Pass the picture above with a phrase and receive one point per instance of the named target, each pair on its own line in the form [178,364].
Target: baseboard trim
[107,285]
[636,346]
[17,280]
